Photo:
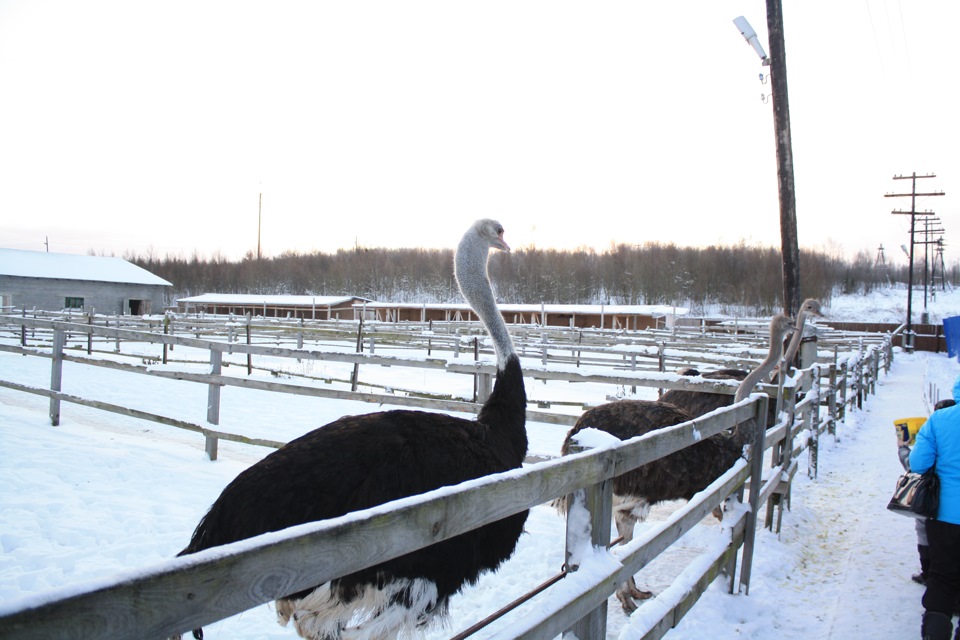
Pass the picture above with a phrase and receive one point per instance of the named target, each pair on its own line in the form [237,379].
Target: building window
[73,303]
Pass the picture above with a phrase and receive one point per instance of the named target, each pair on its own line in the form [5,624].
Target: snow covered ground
[103,494]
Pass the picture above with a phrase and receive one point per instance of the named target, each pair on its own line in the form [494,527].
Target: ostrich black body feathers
[362,461]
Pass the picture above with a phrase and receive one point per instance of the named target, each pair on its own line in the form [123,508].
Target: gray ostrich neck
[765,367]
[794,345]
[471,271]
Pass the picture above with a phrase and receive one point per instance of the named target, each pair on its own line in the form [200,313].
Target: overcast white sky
[136,126]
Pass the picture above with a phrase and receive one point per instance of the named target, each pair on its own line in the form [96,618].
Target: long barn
[273,306]
[634,317]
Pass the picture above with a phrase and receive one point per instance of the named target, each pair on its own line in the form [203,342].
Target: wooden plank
[690,594]
[143,415]
[105,406]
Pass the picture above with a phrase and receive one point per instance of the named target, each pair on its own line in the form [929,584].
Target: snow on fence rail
[188,592]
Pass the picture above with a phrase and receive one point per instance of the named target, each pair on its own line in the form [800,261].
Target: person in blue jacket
[938,444]
[923,549]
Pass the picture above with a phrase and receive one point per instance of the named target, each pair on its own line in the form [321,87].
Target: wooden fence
[187,592]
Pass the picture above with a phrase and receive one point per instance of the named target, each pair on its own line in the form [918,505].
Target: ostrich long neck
[471,271]
[765,367]
[794,345]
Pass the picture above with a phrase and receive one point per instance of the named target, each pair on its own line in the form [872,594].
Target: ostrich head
[810,307]
[470,270]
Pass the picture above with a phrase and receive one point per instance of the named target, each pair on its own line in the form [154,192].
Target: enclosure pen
[179,594]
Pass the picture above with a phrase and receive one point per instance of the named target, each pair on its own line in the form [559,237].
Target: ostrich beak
[500,243]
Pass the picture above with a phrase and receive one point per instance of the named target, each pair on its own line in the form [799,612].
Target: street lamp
[751,37]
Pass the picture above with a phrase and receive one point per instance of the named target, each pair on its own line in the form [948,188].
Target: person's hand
[900,440]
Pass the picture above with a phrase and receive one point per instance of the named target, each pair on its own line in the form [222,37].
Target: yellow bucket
[909,427]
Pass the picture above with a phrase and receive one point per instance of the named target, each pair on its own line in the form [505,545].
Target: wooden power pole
[908,336]
[789,247]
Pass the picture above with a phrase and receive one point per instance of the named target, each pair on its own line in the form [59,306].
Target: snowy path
[846,560]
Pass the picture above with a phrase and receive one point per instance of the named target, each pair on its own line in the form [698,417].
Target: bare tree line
[735,278]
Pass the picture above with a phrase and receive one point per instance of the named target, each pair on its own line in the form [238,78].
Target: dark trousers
[943,581]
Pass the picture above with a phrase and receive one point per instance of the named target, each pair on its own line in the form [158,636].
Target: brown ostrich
[698,403]
[810,307]
[682,474]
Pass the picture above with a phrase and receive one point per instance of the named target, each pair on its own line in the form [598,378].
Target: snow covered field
[103,494]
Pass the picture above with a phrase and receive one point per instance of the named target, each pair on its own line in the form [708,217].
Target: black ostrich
[361,461]
[680,475]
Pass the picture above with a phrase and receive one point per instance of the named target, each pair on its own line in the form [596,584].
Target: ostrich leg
[626,515]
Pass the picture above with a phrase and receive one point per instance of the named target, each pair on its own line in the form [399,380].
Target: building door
[138,307]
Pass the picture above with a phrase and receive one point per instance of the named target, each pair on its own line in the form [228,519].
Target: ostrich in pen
[357,462]
[682,474]
[810,307]
[698,403]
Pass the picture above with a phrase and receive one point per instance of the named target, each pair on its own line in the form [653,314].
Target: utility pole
[926,242]
[908,337]
[259,222]
[789,247]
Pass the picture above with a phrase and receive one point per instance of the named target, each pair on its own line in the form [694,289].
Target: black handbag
[917,494]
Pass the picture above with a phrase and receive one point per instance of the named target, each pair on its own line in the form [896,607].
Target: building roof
[653,310]
[68,266]
[269,300]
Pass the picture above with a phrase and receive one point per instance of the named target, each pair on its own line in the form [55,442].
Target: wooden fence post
[661,361]
[889,359]
[860,376]
[832,401]
[842,408]
[811,419]
[166,331]
[579,351]
[213,401]
[56,374]
[782,456]
[476,376]
[355,377]
[756,487]
[249,355]
[597,500]
[90,334]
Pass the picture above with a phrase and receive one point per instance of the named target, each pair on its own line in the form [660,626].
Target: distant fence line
[188,592]
[215,380]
